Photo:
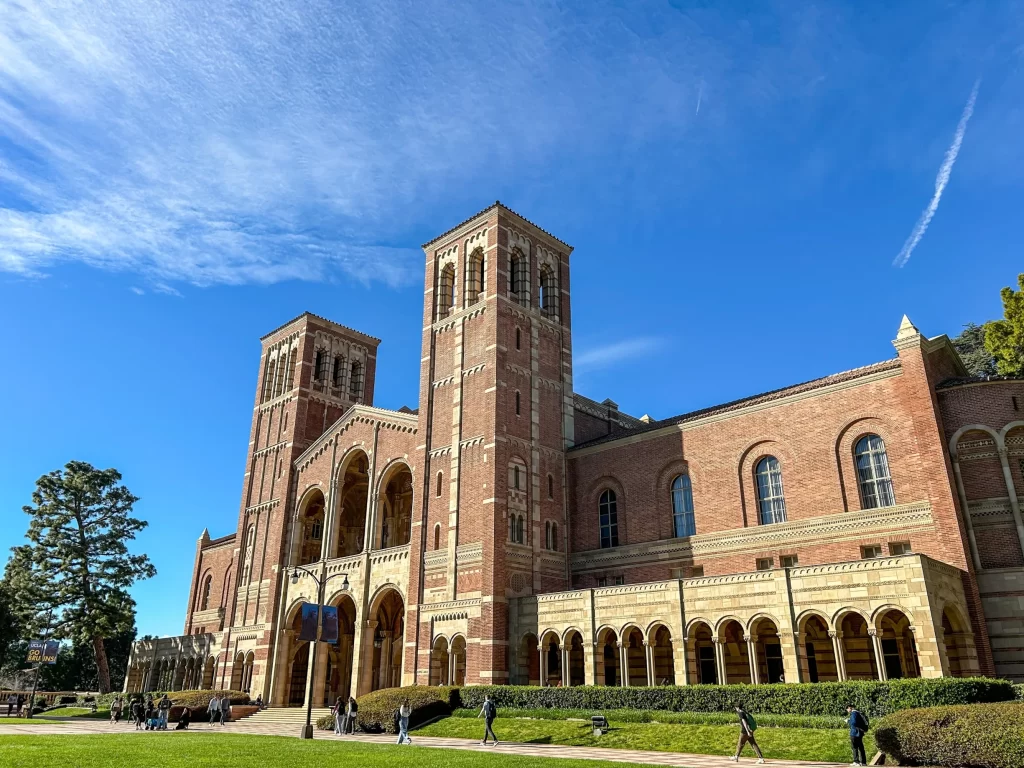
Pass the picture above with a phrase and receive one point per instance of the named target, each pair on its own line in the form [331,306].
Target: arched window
[520,532]
[338,376]
[519,339]
[547,296]
[516,477]
[204,602]
[512,528]
[250,549]
[517,402]
[682,507]
[268,378]
[437,537]
[474,276]
[770,499]
[321,364]
[609,519]
[517,276]
[551,487]
[446,292]
[355,381]
[289,378]
[279,372]
[440,483]
[873,473]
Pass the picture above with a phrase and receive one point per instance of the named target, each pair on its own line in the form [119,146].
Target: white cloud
[594,358]
[941,180]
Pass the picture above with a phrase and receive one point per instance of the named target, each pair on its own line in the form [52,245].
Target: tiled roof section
[496,204]
[764,397]
[323,319]
[221,540]
[966,380]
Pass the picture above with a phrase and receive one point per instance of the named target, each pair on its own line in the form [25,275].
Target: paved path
[81,726]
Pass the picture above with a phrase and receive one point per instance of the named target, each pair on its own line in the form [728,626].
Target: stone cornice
[403,422]
[856,523]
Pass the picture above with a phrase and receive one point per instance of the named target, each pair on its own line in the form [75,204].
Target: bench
[600,724]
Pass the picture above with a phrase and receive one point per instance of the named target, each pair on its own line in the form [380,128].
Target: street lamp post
[307,729]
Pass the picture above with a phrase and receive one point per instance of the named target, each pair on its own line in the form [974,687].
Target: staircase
[284,718]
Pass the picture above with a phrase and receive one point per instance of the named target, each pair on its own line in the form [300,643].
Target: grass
[661,716]
[99,714]
[226,751]
[826,745]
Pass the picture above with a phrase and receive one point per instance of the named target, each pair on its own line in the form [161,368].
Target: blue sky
[178,178]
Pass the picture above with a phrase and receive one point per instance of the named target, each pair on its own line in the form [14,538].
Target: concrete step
[285,715]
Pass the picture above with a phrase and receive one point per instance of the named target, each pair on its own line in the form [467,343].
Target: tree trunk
[102,669]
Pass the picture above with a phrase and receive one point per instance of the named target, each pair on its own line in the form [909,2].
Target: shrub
[874,698]
[978,735]
[325,723]
[1018,691]
[674,718]
[197,701]
[377,709]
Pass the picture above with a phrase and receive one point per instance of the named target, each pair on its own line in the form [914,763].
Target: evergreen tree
[1005,338]
[970,345]
[77,558]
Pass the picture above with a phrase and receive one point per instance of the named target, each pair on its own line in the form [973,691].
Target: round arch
[607,657]
[662,662]
[394,505]
[352,485]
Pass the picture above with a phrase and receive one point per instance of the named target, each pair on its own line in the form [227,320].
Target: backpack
[863,724]
[492,711]
[751,722]
[398,718]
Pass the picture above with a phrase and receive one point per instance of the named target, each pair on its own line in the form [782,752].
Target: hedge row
[875,698]
[377,709]
[1018,690]
[818,722]
[980,736]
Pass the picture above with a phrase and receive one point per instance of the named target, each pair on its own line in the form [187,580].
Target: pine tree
[1005,338]
[78,556]
[970,345]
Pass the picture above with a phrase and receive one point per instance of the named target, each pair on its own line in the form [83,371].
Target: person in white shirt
[404,712]
[214,709]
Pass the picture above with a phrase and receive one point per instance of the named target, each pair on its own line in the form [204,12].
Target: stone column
[1012,493]
[876,644]
[723,677]
[623,663]
[839,652]
[452,666]
[543,665]
[683,672]
[590,664]
[755,671]
[385,659]
[566,677]
[649,659]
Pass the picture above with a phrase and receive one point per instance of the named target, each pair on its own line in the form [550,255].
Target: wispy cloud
[594,358]
[940,182]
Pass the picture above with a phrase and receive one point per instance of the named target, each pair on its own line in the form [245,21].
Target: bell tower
[496,413]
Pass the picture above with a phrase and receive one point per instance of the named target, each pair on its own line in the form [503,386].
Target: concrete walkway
[80,726]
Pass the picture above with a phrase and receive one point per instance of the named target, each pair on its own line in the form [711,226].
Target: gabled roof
[478,214]
[764,397]
[366,336]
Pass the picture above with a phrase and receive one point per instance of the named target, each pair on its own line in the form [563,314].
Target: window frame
[875,551]
[683,521]
[874,475]
[765,563]
[608,506]
[771,508]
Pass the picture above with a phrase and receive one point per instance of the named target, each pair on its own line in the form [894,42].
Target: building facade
[866,525]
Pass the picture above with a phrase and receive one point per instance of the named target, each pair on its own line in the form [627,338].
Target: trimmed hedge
[874,698]
[819,722]
[377,709]
[980,736]
[197,701]
[1018,690]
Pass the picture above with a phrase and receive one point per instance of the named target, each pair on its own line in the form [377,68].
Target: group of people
[15,701]
[152,715]
[346,715]
[856,721]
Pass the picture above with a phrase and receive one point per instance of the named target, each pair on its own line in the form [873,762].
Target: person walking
[213,709]
[747,727]
[489,712]
[115,710]
[353,716]
[12,702]
[225,709]
[338,710]
[404,712]
[163,710]
[137,714]
[858,727]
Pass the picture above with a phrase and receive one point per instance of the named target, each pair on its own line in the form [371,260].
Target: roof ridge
[318,317]
[495,204]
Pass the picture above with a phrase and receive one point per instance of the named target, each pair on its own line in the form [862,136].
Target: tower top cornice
[497,204]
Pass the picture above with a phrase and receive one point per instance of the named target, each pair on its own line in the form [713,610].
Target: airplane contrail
[940,182]
[700,92]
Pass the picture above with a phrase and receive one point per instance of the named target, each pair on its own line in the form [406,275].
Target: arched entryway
[298,662]
[351,506]
[635,657]
[660,641]
[608,666]
[439,665]
[767,664]
[208,670]
[550,660]
[338,670]
[701,653]
[817,657]
[238,671]
[735,659]
[573,650]
[528,661]
[896,643]
[958,641]
[311,518]
[387,640]
[858,650]
[395,526]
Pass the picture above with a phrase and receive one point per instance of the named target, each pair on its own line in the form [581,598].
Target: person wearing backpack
[747,727]
[858,723]
[488,711]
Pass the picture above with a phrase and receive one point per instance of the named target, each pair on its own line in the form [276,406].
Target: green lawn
[225,751]
[100,714]
[829,745]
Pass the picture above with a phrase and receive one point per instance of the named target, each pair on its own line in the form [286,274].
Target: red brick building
[866,524]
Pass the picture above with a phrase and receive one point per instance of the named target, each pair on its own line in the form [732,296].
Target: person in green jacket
[747,727]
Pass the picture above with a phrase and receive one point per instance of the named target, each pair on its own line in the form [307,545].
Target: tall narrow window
[682,507]
[517,403]
[873,473]
[440,483]
[554,537]
[551,487]
[515,476]
[355,381]
[320,365]
[268,378]
[279,372]
[474,277]
[770,499]
[204,603]
[437,537]
[289,372]
[520,532]
[339,371]
[547,295]
[519,339]
[446,292]
[517,276]
[608,517]
[547,535]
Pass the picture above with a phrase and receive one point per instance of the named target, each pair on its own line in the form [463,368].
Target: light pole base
[307,732]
